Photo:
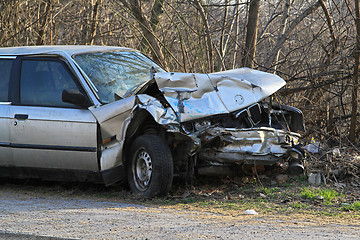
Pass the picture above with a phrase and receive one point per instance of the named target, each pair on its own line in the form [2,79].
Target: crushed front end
[231,120]
[257,135]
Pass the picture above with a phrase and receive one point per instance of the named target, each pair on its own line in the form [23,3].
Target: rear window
[5,70]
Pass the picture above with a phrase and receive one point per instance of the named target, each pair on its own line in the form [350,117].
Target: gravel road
[35,215]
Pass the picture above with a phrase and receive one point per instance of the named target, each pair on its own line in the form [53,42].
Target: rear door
[46,132]
[5,72]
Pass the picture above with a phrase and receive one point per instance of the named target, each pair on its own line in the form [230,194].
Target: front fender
[114,120]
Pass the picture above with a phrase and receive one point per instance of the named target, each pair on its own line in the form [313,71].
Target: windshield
[115,73]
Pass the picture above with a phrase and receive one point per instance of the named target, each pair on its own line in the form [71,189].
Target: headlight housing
[200,125]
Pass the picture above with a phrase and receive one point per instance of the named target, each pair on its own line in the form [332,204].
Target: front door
[45,131]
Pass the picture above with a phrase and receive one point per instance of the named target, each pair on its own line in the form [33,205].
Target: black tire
[150,167]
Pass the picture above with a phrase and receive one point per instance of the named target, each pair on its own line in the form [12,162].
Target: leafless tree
[313,45]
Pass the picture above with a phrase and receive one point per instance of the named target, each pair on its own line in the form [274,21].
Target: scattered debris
[340,185]
[335,164]
[186,194]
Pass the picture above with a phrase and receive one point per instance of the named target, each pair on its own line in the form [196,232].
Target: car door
[5,150]
[46,132]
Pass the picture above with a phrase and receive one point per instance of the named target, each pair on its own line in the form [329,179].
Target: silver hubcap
[142,170]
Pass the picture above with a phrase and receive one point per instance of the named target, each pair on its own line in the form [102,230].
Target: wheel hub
[143,170]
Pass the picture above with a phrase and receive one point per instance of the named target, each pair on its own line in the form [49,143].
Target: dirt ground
[54,212]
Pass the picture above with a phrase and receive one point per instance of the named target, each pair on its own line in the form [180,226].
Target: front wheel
[150,167]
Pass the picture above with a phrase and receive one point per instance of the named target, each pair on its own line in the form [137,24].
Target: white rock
[251,212]
[336,152]
[314,178]
[313,147]
[318,197]
[263,195]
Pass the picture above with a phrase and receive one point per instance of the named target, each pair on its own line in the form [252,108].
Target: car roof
[68,49]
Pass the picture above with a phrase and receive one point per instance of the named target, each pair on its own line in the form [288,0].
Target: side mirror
[74,96]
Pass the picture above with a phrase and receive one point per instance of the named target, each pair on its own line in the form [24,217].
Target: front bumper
[262,145]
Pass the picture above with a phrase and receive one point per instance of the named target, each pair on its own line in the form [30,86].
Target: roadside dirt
[64,211]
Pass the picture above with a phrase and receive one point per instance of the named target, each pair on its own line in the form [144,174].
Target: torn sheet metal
[163,116]
[261,145]
[195,95]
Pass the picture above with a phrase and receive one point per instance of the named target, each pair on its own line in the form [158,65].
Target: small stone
[314,179]
[318,197]
[241,196]
[311,178]
[281,178]
[336,152]
[318,179]
[251,212]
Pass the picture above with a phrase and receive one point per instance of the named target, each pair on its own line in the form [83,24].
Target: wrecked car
[105,114]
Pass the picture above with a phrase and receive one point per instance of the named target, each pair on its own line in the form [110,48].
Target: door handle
[21,116]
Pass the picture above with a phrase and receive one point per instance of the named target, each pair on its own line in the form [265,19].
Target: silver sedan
[103,114]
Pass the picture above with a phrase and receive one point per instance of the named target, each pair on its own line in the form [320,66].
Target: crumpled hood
[196,95]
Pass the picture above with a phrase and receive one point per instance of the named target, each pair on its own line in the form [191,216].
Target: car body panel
[5,150]
[62,138]
[195,95]
[247,146]
[113,119]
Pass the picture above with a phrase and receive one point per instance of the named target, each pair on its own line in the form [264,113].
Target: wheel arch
[181,145]
[142,122]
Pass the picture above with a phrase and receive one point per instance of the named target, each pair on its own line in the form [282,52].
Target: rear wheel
[150,167]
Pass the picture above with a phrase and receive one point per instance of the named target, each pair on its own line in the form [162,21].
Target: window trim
[10,77]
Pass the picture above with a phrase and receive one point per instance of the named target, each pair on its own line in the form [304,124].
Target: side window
[42,83]
[5,69]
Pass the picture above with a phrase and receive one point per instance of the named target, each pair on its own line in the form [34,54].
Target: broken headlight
[201,125]
[190,127]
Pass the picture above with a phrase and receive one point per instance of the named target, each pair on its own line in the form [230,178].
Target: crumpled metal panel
[115,117]
[263,145]
[163,116]
[195,95]
[112,116]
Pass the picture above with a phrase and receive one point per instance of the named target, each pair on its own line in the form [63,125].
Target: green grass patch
[270,192]
[328,196]
[355,207]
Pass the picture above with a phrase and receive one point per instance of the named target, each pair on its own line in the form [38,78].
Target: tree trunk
[43,23]
[156,11]
[284,20]
[145,26]
[251,34]
[94,21]
[354,101]
[289,30]
[207,36]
